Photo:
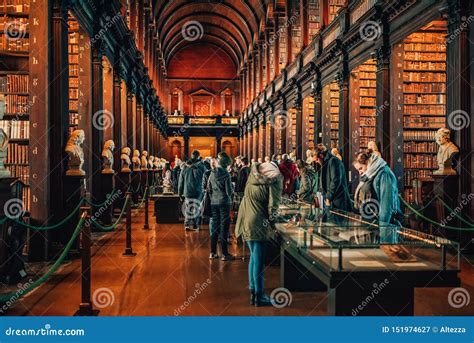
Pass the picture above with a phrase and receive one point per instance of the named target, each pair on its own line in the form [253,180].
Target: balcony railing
[202,120]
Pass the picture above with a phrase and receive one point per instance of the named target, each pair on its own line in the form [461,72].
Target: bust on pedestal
[136,175]
[107,183]
[144,168]
[74,187]
[446,179]
[123,178]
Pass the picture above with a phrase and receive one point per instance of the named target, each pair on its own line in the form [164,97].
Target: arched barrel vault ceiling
[205,18]
[228,43]
[231,24]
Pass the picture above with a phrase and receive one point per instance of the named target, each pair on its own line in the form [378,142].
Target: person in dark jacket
[220,191]
[290,173]
[242,176]
[333,180]
[308,182]
[190,187]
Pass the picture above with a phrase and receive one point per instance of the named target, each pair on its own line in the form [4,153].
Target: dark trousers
[220,222]
[256,266]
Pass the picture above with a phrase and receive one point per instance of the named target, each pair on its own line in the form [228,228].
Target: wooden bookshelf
[296,33]
[73,59]
[282,40]
[308,124]
[15,88]
[331,113]
[313,18]
[291,129]
[363,105]
[424,100]
[334,7]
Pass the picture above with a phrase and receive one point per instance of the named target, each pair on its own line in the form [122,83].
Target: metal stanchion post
[85,307]
[146,226]
[128,239]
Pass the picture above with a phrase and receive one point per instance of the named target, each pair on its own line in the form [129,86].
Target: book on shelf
[15,6]
[12,83]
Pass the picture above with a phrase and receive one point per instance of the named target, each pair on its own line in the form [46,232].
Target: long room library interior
[236,158]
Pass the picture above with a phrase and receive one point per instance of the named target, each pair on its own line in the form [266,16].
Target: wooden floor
[172,275]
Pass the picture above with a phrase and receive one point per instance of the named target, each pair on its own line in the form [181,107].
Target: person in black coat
[333,180]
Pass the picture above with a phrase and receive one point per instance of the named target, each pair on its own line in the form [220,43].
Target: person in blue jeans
[257,211]
[220,191]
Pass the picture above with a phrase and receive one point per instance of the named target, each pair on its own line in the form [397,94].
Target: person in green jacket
[257,211]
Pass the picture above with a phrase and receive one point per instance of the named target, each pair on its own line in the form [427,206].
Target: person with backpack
[308,182]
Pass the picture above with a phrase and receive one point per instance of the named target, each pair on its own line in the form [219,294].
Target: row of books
[420,161]
[17,103]
[426,37]
[11,83]
[423,65]
[17,154]
[424,122]
[412,76]
[425,56]
[372,91]
[428,47]
[370,101]
[411,175]
[16,129]
[15,6]
[425,98]
[419,135]
[14,45]
[10,25]
[425,87]
[367,131]
[410,147]
[425,109]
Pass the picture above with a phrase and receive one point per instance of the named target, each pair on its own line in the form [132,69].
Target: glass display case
[345,241]
[357,261]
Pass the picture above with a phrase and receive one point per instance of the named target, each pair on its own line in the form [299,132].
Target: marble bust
[136,160]
[144,162]
[108,157]
[75,153]
[156,163]
[125,158]
[447,151]
[373,148]
[150,162]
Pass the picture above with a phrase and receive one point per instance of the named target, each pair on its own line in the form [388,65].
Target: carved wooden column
[299,126]
[263,133]
[316,93]
[249,141]
[186,147]
[117,110]
[138,124]
[97,108]
[344,132]
[130,133]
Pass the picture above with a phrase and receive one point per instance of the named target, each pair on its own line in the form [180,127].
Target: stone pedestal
[144,181]
[74,191]
[136,185]
[104,212]
[446,188]
[12,267]
[151,181]
[122,184]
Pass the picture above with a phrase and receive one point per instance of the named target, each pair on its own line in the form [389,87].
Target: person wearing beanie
[220,192]
[257,211]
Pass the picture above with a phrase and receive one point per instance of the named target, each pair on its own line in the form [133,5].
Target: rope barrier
[114,225]
[432,221]
[114,192]
[51,227]
[144,197]
[13,296]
